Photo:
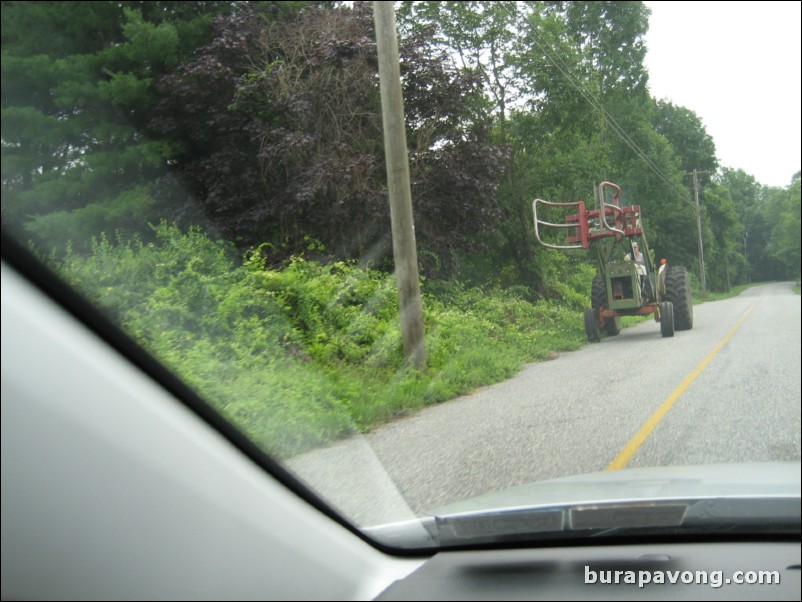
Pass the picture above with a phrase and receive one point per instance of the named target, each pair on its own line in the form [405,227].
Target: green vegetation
[304,354]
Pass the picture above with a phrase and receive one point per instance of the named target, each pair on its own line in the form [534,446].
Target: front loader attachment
[584,227]
[576,235]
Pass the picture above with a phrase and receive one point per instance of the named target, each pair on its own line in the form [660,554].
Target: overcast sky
[737,66]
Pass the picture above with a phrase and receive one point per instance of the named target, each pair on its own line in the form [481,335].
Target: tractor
[627,283]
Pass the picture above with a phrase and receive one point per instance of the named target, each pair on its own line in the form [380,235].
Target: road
[726,391]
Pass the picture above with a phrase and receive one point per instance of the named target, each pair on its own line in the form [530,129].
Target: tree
[480,37]
[723,233]
[293,109]
[784,244]
[688,137]
[610,38]
[76,97]
[214,168]
[749,200]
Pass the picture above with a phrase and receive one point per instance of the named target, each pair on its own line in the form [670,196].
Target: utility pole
[746,256]
[699,230]
[395,149]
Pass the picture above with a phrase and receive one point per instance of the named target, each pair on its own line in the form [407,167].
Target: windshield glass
[542,305]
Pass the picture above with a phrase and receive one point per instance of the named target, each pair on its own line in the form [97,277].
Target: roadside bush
[300,355]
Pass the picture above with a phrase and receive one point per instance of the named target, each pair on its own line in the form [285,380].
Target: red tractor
[627,283]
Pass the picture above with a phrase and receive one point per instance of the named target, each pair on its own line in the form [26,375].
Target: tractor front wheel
[592,325]
[612,326]
[667,319]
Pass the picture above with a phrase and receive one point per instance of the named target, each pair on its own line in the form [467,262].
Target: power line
[616,128]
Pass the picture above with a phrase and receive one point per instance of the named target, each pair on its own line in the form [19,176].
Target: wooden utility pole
[395,150]
[699,230]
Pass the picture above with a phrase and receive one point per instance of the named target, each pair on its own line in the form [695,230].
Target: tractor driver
[640,264]
[638,256]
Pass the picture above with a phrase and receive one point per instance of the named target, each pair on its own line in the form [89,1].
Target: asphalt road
[726,391]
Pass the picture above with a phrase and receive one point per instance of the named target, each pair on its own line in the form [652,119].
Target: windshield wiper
[637,518]
[717,515]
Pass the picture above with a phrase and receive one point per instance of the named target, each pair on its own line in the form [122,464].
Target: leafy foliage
[292,112]
[783,209]
[304,354]
[767,219]
[76,96]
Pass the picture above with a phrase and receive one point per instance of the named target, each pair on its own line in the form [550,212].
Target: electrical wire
[614,125]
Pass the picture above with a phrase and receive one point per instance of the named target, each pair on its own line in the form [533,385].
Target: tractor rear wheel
[598,293]
[678,291]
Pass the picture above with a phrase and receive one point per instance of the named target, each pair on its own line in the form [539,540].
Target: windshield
[541,305]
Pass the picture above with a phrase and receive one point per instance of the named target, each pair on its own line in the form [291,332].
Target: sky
[737,66]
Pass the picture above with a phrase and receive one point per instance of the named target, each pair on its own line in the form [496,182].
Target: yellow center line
[632,446]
